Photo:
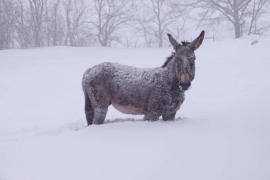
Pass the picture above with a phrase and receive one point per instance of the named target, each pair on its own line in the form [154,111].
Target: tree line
[127,23]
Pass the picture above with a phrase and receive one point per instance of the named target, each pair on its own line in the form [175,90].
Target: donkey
[149,92]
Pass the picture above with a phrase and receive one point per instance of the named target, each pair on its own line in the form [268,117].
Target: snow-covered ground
[222,131]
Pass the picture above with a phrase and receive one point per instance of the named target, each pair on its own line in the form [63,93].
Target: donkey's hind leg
[100,114]
[89,111]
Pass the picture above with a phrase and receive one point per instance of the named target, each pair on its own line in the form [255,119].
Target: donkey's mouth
[185,86]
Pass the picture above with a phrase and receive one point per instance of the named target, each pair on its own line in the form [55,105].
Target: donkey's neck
[170,71]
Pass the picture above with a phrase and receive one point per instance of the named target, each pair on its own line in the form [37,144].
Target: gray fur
[151,92]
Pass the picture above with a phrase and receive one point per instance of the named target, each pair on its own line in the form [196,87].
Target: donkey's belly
[128,109]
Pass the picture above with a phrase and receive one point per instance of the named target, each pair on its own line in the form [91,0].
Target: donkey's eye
[191,60]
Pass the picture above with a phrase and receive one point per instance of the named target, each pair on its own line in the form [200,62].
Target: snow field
[222,130]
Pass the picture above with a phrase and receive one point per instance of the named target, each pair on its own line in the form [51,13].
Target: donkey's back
[117,78]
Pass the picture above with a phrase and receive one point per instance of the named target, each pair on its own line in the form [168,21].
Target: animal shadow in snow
[119,120]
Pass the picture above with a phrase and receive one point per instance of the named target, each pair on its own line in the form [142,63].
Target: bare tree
[37,23]
[157,17]
[111,16]
[258,9]
[55,24]
[217,11]
[77,15]
[23,29]
[37,19]
[30,23]
[7,10]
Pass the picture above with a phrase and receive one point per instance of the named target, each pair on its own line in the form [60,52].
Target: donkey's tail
[89,111]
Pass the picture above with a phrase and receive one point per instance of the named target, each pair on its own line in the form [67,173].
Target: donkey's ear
[198,41]
[174,43]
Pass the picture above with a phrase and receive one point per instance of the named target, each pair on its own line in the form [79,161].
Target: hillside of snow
[222,131]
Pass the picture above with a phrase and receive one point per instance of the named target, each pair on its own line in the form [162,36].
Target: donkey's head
[184,59]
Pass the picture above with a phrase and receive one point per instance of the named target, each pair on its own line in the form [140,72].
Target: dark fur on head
[168,59]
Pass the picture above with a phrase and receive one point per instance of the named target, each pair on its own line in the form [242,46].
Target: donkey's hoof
[98,122]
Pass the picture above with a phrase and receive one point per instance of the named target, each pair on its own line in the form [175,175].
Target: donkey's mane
[168,59]
[185,43]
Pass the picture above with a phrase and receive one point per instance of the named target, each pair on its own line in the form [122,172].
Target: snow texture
[221,131]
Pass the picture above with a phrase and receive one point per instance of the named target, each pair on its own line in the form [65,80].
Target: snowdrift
[222,130]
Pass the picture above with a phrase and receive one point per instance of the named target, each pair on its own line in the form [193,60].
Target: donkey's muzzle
[185,86]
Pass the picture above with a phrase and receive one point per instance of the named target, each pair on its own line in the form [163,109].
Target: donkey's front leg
[151,116]
[168,117]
